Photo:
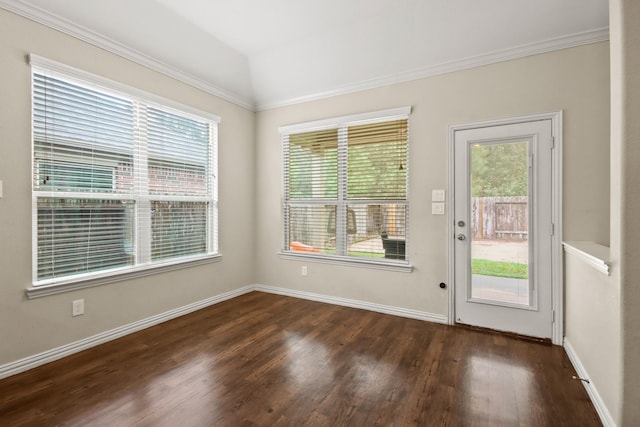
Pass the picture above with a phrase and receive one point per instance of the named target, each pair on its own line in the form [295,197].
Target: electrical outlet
[77,307]
[303,270]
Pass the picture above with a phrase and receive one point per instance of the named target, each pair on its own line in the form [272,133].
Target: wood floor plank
[269,360]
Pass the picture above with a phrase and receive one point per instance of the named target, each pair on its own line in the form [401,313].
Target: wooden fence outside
[503,218]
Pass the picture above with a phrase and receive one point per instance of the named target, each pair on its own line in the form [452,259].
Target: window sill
[72,285]
[594,254]
[401,266]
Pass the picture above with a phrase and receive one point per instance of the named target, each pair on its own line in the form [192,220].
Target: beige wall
[592,327]
[603,318]
[575,80]
[625,184]
[28,327]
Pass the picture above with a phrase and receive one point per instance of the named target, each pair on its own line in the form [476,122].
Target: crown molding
[544,46]
[65,26]
[82,33]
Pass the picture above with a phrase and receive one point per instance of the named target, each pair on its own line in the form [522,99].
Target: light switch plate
[437,195]
[437,208]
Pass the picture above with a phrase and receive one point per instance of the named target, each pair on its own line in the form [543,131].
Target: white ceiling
[264,53]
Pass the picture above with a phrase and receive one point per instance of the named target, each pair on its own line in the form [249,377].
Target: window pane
[178,229]
[313,165]
[178,154]
[377,161]
[312,229]
[64,176]
[83,138]
[69,112]
[176,179]
[499,183]
[377,231]
[78,236]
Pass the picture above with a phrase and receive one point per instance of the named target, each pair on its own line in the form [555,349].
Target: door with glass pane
[503,227]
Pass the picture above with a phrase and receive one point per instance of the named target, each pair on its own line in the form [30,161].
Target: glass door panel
[499,207]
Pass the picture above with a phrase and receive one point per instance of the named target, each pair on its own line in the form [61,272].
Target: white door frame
[557,292]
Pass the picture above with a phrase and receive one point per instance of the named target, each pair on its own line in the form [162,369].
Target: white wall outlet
[304,270]
[77,307]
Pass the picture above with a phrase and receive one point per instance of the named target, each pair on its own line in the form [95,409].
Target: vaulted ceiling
[266,53]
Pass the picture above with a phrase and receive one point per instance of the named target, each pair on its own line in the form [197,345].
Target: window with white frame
[121,181]
[345,187]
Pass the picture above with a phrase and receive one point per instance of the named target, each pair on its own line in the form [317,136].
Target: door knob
[461,237]
[461,223]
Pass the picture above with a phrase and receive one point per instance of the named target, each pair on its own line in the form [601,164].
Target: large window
[345,192]
[121,182]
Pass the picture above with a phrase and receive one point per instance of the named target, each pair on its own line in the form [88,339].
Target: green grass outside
[366,254]
[486,267]
[357,253]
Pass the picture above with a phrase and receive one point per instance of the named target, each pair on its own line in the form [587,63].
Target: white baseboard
[386,309]
[39,359]
[601,408]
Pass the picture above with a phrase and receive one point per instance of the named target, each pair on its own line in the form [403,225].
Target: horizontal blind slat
[313,164]
[377,160]
[79,236]
[178,229]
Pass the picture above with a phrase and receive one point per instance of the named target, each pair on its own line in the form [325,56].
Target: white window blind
[345,189]
[119,182]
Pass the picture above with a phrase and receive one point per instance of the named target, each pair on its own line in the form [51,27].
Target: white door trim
[556,240]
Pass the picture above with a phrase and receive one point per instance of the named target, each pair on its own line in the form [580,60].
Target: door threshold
[546,341]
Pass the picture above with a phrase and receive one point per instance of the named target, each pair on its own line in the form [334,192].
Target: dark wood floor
[264,360]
